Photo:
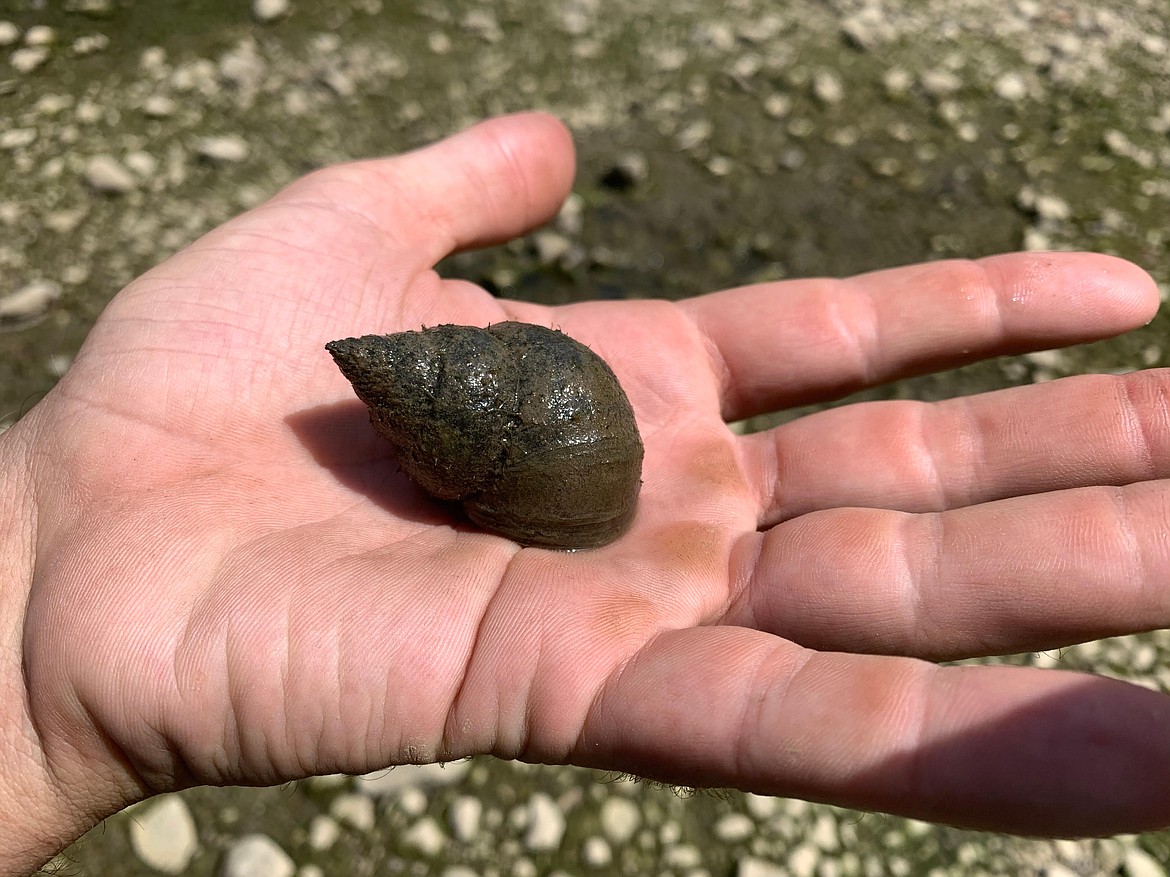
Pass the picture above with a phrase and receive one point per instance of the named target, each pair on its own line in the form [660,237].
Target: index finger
[776,345]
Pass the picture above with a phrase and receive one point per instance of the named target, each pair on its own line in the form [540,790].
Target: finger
[918,457]
[999,748]
[1023,574]
[781,344]
[484,185]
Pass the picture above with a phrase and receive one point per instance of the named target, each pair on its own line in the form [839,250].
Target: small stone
[425,836]
[750,867]
[9,33]
[257,855]
[777,106]
[354,810]
[439,43]
[1139,863]
[595,853]
[941,82]
[163,835]
[17,138]
[761,806]
[682,857]
[1057,870]
[459,871]
[825,834]
[694,134]
[28,59]
[897,81]
[104,173]
[141,163]
[620,818]
[1011,87]
[546,824]
[412,801]
[310,871]
[463,816]
[28,305]
[40,35]
[550,246]
[323,832]
[395,779]
[270,10]
[328,782]
[802,861]
[735,827]
[159,106]
[828,88]
[227,149]
[89,44]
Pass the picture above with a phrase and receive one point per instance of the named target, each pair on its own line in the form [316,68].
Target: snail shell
[525,426]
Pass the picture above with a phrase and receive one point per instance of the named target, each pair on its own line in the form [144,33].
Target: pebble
[257,855]
[159,106]
[425,836]
[761,806]
[395,779]
[802,861]
[28,304]
[323,832]
[17,138]
[227,149]
[270,10]
[104,173]
[1058,870]
[354,810]
[546,824]
[463,816]
[40,35]
[550,246]
[28,59]
[1011,87]
[89,44]
[595,853]
[9,33]
[828,88]
[750,867]
[459,871]
[620,818]
[734,827]
[163,835]
[1139,863]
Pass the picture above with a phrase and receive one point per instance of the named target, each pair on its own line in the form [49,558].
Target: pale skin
[212,572]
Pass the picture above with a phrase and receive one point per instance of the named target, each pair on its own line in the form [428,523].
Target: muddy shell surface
[525,426]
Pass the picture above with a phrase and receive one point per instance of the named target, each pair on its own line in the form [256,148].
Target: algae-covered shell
[525,426]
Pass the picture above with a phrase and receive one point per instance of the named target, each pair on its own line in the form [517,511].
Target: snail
[525,426]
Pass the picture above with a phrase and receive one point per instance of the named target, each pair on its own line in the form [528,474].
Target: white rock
[16,138]
[394,779]
[9,33]
[761,806]
[425,836]
[824,833]
[749,867]
[227,149]
[257,855]
[827,87]
[104,173]
[1058,870]
[735,827]
[323,832]
[141,163]
[802,861]
[550,246]
[354,810]
[28,59]
[1139,863]
[268,10]
[159,106]
[620,818]
[412,801]
[459,871]
[1011,86]
[28,304]
[682,856]
[464,817]
[40,35]
[310,871]
[595,853]
[546,824]
[163,835]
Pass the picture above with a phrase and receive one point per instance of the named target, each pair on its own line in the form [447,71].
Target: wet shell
[525,426]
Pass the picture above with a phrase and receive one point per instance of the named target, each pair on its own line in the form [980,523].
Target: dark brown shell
[525,426]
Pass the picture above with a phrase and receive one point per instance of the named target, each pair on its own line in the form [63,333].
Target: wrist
[37,818]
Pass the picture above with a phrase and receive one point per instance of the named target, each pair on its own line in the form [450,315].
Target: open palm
[233,583]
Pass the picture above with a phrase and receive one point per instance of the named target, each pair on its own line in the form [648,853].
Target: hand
[213,573]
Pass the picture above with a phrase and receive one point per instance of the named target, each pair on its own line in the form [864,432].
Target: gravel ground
[720,143]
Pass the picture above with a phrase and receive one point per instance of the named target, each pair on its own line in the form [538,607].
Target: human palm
[234,584]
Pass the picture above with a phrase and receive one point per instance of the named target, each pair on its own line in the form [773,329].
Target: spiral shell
[525,426]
